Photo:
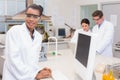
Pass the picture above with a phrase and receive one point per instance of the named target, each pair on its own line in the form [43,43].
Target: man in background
[105,32]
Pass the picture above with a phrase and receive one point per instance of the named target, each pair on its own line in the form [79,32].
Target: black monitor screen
[82,50]
[61,32]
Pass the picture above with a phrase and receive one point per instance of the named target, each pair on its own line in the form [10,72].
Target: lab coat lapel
[28,41]
[26,34]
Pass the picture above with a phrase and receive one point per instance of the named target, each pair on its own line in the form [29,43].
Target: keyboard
[57,75]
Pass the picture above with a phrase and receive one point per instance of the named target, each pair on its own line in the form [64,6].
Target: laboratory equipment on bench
[43,53]
[54,52]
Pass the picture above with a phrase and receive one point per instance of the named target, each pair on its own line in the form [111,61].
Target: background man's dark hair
[37,7]
[98,13]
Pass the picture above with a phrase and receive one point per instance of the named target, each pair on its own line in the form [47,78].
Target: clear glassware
[108,73]
[116,70]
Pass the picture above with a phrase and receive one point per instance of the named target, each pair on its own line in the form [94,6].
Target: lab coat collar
[101,24]
[26,29]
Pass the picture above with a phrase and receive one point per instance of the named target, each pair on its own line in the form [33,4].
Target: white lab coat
[75,36]
[22,54]
[105,38]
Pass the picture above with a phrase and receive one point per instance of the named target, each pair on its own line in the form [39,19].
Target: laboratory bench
[61,44]
[116,51]
[65,63]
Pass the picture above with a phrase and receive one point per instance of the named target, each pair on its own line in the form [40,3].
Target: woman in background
[85,23]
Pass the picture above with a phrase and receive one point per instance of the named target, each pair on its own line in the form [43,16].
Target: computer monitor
[61,32]
[85,55]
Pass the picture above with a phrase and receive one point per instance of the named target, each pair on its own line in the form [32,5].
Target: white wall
[63,8]
[84,2]
[70,9]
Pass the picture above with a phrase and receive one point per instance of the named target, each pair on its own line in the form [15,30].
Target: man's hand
[44,73]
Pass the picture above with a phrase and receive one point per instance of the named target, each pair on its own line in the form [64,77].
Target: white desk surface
[65,63]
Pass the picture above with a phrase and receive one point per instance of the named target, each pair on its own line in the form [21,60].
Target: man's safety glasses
[32,16]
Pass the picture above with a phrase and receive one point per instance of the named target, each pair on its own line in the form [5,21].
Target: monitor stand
[60,38]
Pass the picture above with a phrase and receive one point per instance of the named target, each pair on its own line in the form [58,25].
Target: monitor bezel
[60,36]
[86,73]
